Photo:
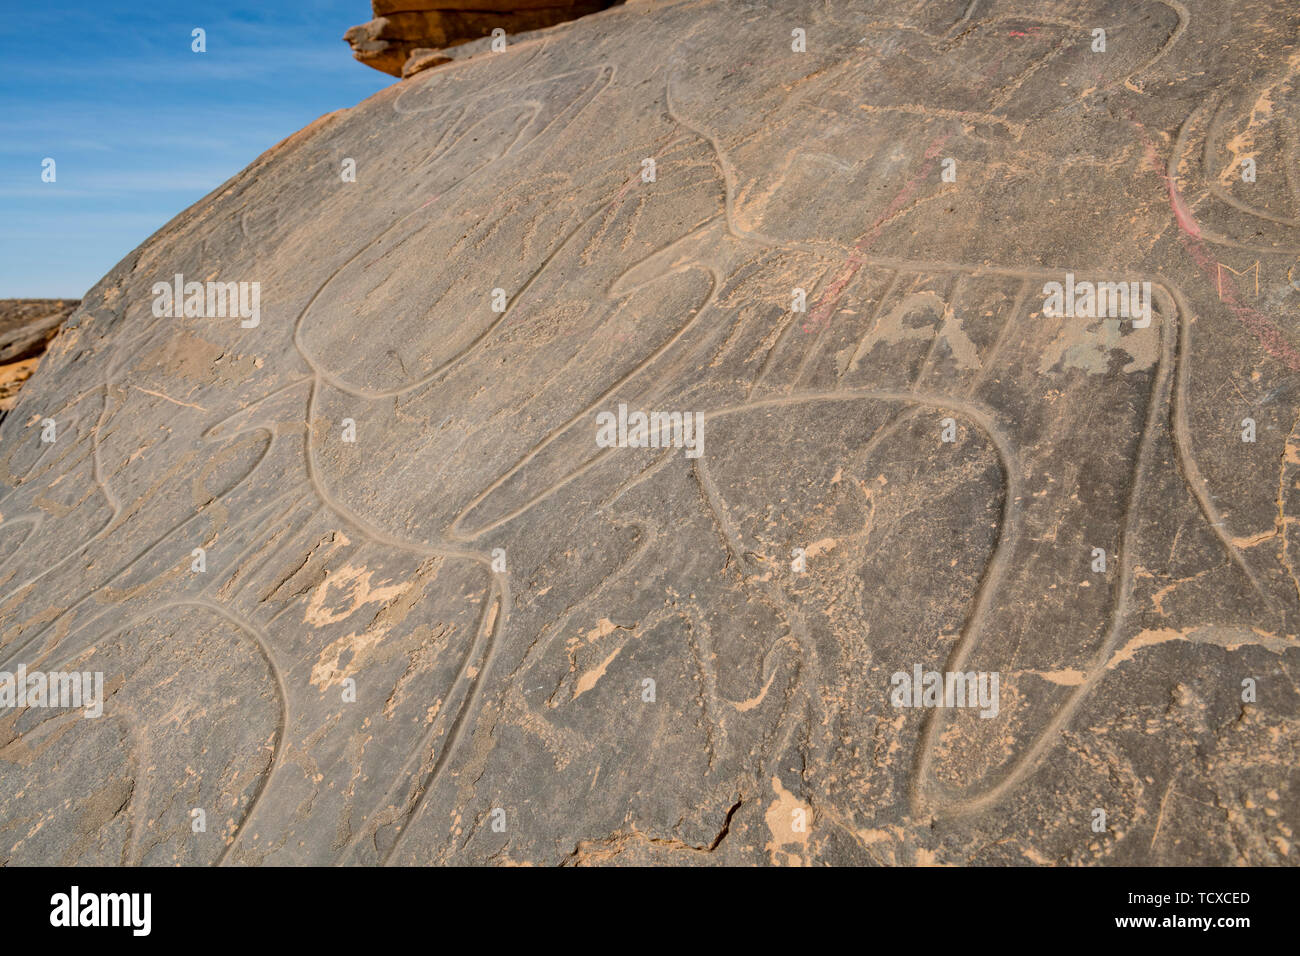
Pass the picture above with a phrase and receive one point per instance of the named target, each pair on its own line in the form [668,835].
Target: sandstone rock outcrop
[401,27]
[370,579]
[26,328]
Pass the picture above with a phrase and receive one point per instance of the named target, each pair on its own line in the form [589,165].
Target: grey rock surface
[431,643]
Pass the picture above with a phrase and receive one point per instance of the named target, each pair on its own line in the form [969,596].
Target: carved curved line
[724,163]
[113,504]
[1180,149]
[14,650]
[72,421]
[365,527]
[1208,165]
[803,641]
[943,800]
[800,635]
[259,641]
[213,432]
[484,650]
[33,518]
[1182,439]
[470,348]
[1008,524]
[260,644]
[499,600]
[455,530]
[441,77]
[1184,17]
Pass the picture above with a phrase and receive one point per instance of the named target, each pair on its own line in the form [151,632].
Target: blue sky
[139,126]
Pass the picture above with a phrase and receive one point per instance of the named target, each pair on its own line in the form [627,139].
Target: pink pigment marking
[821,314]
[854,263]
[1258,324]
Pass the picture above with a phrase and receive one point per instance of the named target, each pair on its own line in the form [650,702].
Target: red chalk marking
[855,261]
[1265,332]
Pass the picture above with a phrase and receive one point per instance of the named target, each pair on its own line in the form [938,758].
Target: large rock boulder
[26,328]
[402,27]
[370,577]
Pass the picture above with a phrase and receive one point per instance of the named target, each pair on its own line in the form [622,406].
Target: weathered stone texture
[499,587]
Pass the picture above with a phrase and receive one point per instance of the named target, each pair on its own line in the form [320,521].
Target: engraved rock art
[364,587]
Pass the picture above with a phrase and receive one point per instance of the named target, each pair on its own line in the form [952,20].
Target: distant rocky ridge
[405,30]
[26,328]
